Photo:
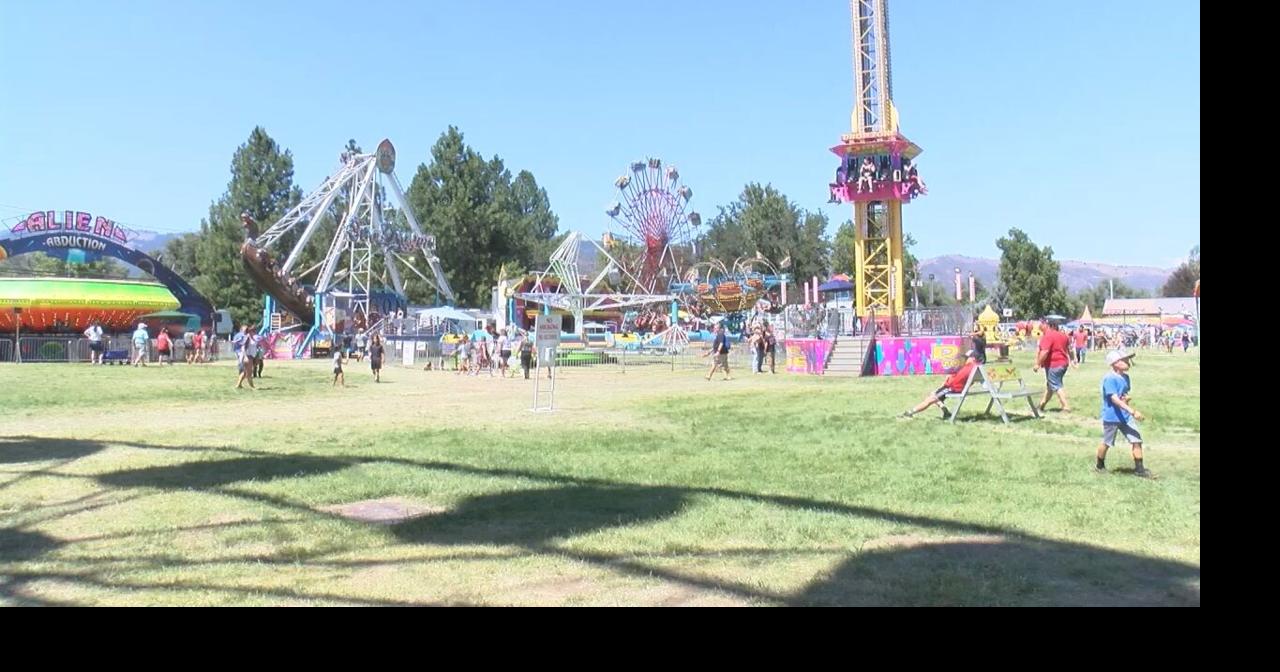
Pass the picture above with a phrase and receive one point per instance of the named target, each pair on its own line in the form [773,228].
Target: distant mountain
[1075,275]
[150,241]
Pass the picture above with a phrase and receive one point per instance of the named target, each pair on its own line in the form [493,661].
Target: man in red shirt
[954,385]
[1054,357]
[1081,343]
[164,345]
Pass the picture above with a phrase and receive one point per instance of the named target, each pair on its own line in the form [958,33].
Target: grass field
[165,486]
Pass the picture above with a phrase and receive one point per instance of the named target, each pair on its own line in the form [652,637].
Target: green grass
[166,486]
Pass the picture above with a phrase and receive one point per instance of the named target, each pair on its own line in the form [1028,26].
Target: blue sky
[1077,122]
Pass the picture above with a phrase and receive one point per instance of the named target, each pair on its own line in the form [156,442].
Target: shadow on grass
[216,473]
[18,545]
[1004,567]
[1003,572]
[535,517]
[19,449]
[994,418]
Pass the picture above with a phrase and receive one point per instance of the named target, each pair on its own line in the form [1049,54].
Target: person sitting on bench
[954,385]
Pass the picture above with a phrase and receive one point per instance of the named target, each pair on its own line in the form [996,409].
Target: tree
[1184,277]
[843,255]
[763,220]
[996,296]
[910,264]
[262,185]
[480,216]
[43,265]
[179,254]
[1030,277]
[534,212]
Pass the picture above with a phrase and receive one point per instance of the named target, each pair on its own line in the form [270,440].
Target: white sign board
[1008,312]
[409,352]
[548,331]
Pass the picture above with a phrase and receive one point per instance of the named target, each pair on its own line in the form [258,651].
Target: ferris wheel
[652,212]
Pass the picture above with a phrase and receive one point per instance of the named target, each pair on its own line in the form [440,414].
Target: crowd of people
[1105,338]
[490,350]
[197,347]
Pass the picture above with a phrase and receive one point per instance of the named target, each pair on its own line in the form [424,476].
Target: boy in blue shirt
[1117,415]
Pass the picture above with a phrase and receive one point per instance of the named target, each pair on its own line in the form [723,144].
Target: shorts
[337,370]
[1054,378]
[722,359]
[375,364]
[941,393]
[505,354]
[1109,430]
[95,346]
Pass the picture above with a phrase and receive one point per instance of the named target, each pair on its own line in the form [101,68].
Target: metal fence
[50,349]
[64,349]
[32,349]
[443,356]
[937,321]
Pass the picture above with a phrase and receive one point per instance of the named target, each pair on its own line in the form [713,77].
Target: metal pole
[17,333]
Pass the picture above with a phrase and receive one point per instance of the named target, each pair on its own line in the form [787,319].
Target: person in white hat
[1118,415]
[141,340]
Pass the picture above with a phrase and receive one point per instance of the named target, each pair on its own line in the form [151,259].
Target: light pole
[17,333]
[959,294]
[931,278]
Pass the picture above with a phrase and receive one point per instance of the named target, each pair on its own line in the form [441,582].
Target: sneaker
[946,414]
[1143,473]
[1099,470]
[907,414]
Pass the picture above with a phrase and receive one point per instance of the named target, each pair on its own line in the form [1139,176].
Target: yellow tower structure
[877,173]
